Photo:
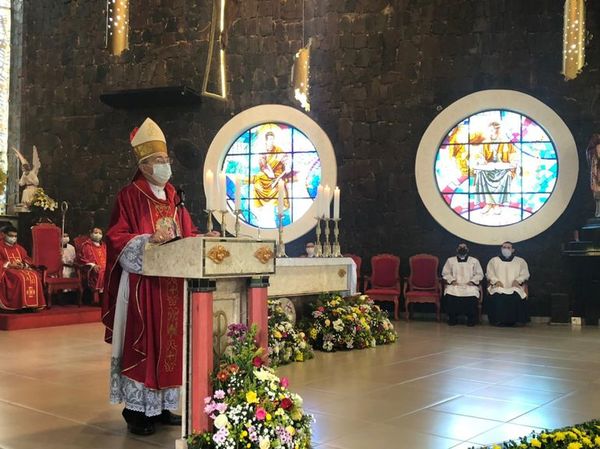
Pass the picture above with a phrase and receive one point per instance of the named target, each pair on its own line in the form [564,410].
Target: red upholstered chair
[47,239]
[423,285]
[384,282]
[358,261]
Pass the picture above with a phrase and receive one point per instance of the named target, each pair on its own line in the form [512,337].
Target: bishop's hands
[16,265]
[516,284]
[160,236]
[211,234]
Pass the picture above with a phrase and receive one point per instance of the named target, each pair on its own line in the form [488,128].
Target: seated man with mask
[20,285]
[310,250]
[462,274]
[506,276]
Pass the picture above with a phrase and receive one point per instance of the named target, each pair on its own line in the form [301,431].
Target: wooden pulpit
[207,263]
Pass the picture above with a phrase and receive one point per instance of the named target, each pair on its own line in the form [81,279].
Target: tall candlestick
[336,203]
[319,201]
[238,192]
[222,191]
[280,194]
[327,201]
[209,187]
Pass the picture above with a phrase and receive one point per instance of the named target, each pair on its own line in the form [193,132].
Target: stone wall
[381,72]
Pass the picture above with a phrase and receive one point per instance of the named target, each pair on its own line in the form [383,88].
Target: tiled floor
[438,387]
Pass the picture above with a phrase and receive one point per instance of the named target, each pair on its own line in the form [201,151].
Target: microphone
[181,195]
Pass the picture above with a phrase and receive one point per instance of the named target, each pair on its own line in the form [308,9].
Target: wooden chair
[384,280]
[47,243]
[423,285]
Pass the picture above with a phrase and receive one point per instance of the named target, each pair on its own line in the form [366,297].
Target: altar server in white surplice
[506,276]
[462,274]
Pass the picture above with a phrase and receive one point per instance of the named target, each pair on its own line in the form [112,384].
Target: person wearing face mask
[506,275]
[310,250]
[20,285]
[143,315]
[68,257]
[462,274]
[93,255]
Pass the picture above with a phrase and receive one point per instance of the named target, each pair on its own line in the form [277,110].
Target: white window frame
[557,130]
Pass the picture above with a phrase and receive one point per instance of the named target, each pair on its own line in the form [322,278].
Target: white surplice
[462,272]
[506,272]
[68,258]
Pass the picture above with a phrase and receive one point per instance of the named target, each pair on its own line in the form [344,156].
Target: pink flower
[260,414]
[257,362]
[284,382]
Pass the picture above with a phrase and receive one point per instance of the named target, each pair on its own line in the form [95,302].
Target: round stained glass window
[496,165]
[496,168]
[264,156]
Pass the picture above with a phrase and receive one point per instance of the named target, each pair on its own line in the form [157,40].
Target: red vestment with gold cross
[94,254]
[152,348]
[19,288]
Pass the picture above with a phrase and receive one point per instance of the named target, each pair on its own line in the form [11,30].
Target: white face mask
[66,240]
[10,240]
[310,251]
[506,252]
[161,173]
[96,237]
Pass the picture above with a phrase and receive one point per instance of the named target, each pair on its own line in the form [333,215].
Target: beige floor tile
[516,394]
[328,428]
[580,401]
[447,425]
[552,384]
[547,417]
[483,407]
[502,433]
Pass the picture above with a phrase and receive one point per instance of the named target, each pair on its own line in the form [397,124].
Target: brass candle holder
[223,223]
[280,244]
[318,246]
[237,214]
[337,250]
[209,222]
[327,245]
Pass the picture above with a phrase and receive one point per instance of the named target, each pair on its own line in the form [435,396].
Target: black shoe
[138,423]
[470,324]
[452,323]
[168,418]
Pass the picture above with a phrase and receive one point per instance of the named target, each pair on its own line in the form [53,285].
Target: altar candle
[238,192]
[319,201]
[280,193]
[336,203]
[209,187]
[222,191]
[327,198]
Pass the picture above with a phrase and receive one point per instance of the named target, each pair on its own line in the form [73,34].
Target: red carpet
[56,316]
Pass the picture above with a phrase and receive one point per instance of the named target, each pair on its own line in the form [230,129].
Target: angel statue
[29,177]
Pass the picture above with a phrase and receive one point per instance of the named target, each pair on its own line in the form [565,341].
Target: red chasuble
[91,253]
[152,349]
[19,289]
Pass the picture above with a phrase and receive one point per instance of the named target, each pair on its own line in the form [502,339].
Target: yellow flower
[299,357]
[586,441]
[244,434]
[291,430]
[535,443]
[313,333]
[327,322]
[574,445]
[496,447]
[276,334]
[597,441]
[559,436]
[571,435]
[251,397]
[269,417]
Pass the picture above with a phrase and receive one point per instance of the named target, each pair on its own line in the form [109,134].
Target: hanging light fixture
[117,26]
[217,15]
[573,38]
[301,76]
[301,71]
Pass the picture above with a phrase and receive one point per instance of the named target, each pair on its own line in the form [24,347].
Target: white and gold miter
[147,140]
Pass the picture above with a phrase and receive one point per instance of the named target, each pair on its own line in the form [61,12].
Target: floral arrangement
[582,436]
[351,323]
[286,343]
[251,407]
[3,180]
[43,201]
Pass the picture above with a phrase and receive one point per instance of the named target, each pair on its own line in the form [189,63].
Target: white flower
[221,421]
[264,443]
[338,325]
[265,375]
